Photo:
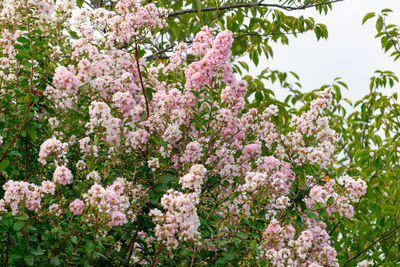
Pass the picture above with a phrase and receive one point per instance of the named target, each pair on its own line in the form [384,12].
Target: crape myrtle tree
[130,136]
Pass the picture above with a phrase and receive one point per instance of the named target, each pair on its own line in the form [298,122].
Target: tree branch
[383,237]
[345,150]
[334,228]
[251,5]
[159,53]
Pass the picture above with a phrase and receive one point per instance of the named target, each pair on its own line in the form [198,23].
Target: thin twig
[154,261]
[345,150]
[194,252]
[76,246]
[131,246]
[141,81]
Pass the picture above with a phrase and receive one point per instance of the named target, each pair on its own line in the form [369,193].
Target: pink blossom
[253,150]
[192,152]
[64,79]
[48,187]
[55,209]
[76,207]
[51,147]
[62,175]
[117,219]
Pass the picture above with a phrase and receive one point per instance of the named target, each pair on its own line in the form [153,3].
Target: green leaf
[368,16]
[253,245]
[18,225]
[22,40]
[379,24]
[55,261]
[386,10]
[4,164]
[73,34]
[29,259]
[163,184]
[37,252]
[31,133]
[311,215]
[221,261]
[89,247]
[223,243]
[242,235]
[259,96]
[148,94]
[229,256]
[322,213]
[198,7]
[23,217]
[15,255]
[23,55]
[244,65]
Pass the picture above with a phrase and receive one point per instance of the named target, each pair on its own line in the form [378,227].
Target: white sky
[351,51]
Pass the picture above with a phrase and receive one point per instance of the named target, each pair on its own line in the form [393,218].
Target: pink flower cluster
[76,207]
[65,79]
[192,152]
[52,147]
[342,197]
[136,139]
[202,42]
[198,120]
[64,92]
[180,221]
[310,248]
[102,120]
[194,179]
[309,124]
[55,209]
[87,148]
[355,188]
[110,201]
[62,175]
[199,74]
[42,10]
[132,19]
[176,58]
[20,192]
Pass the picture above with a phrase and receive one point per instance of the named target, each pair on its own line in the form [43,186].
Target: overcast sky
[351,51]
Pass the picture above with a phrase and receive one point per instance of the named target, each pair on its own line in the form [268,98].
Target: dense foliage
[129,136]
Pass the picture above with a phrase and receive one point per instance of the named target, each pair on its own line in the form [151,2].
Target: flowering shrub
[142,163]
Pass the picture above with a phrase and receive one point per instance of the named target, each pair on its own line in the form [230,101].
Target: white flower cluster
[20,192]
[194,179]
[254,180]
[52,147]
[101,118]
[180,221]
[111,201]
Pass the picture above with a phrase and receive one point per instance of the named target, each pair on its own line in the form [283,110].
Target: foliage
[127,137]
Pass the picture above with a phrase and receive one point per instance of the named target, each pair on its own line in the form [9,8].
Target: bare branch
[251,5]
[160,53]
